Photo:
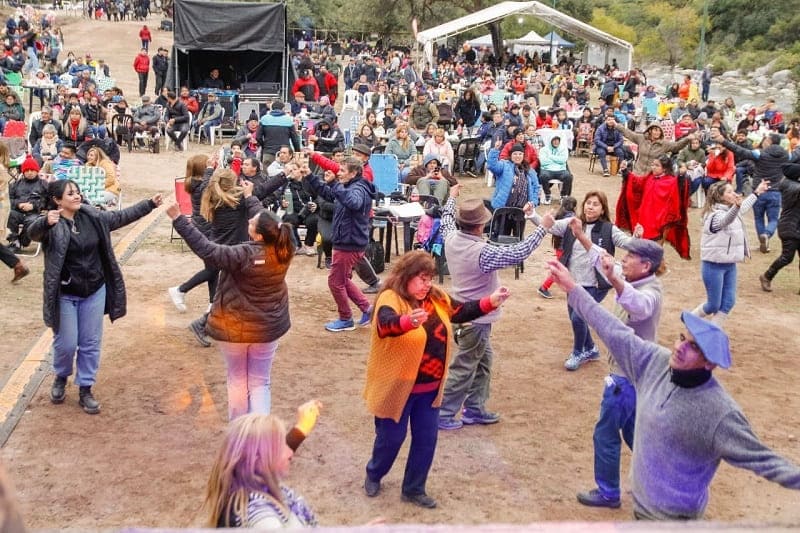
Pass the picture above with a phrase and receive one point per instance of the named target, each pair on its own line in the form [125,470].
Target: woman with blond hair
[439,145]
[75,126]
[402,147]
[245,487]
[96,157]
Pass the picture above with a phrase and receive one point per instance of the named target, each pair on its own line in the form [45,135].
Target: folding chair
[197,131]
[184,200]
[385,171]
[508,227]
[92,183]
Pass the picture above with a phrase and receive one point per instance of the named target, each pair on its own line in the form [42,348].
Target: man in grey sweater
[685,421]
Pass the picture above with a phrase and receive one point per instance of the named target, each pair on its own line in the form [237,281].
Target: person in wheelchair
[28,196]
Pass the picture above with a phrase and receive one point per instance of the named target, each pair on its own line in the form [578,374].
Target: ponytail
[278,234]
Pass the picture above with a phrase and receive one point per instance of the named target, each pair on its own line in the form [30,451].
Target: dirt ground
[145,460]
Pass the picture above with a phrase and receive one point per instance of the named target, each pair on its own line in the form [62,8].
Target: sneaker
[87,401]
[470,417]
[594,498]
[447,424]
[373,289]
[340,325]
[592,355]
[198,328]
[328,263]
[178,298]
[306,250]
[574,361]
[606,174]
[372,488]
[58,390]
[366,318]
[766,284]
[544,293]
[763,243]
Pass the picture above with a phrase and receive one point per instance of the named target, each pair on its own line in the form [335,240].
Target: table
[386,218]
[31,88]
[548,133]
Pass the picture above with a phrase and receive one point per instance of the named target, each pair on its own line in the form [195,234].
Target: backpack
[375,254]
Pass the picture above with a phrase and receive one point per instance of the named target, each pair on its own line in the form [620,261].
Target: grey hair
[49,128]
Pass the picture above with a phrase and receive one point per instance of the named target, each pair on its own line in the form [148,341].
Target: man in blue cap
[685,421]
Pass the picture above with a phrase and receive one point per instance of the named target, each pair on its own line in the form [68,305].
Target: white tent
[603,47]
[482,41]
[529,42]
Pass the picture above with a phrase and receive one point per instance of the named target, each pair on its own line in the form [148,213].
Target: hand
[247,187]
[623,165]
[418,316]
[53,216]
[312,207]
[527,208]
[307,415]
[174,211]
[329,176]
[561,275]
[171,122]
[157,199]
[576,225]
[455,190]
[305,170]
[308,150]
[716,137]
[26,206]
[499,296]
[607,264]
[313,138]
[638,231]
[763,186]
[548,219]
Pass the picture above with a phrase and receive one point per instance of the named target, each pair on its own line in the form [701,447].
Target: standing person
[705,82]
[788,224]
[141,64]
[651,145]
[146,37]
[407,368]
[638,304]
[160,67]
[566,209]
[353,196]
[722,246]
[686,423]
[277,130]
[254,312]
[82,282]
[474,265]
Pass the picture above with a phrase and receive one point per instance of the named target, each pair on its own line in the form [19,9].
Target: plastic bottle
[287,195]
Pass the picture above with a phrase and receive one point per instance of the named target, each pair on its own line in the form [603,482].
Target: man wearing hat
[652,145]
[685,420]
[473,265]
[639,301]
[145,118]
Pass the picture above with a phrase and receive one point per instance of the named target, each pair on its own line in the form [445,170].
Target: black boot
[198,327]
[87,401]
[58,390]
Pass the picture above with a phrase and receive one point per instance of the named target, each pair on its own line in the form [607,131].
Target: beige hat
[473,212]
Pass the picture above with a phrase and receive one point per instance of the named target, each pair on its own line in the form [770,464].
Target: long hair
[714,197]
[195,168]
[405,142]
[5,155]
[55,189]
[600,195]
[101,155]
[409,265]
[222,190]
[245,463]
[276,233]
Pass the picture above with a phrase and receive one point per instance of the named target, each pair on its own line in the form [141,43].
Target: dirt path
[144,461]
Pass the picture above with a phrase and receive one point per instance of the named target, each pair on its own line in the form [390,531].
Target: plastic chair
[508,227]
[198,131]
[184,200]
[92,183]
[351,100]
[122,130]
[13,78]
[466,153]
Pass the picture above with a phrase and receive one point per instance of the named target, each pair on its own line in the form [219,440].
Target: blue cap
[713,342]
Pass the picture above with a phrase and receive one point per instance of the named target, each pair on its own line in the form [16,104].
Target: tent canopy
[483,40]
[245,26]
[531,39]
[601,43]
[558,40]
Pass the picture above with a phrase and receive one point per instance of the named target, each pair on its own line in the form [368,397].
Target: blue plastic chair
[384,168]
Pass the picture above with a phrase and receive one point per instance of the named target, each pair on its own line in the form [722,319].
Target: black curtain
[235,67]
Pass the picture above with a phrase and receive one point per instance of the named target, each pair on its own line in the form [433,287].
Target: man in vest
[422,112]
[639,301]
[473,265]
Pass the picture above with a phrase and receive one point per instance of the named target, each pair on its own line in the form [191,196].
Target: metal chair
[508,227]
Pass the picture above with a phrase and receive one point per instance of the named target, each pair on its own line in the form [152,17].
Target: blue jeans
[720,282]
[404,172]
[97,131]
[470,371]
[603,152]
[249,367]
[768,205]
[705,181]
[582,337]
[617,415]
[79,336]
[206,126]
[741,174]
[390,435]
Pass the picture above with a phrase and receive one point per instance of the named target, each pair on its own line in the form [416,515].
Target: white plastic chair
[168,139]
[198,131]
[351,99]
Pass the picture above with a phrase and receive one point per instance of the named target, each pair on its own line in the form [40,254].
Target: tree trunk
[497,42]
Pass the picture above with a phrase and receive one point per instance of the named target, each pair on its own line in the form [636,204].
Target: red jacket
[518,86]
[141,63]
[682,130]
[721,166]
[332,86]
[531,156]
[144,34]
[191,104]
[300,83]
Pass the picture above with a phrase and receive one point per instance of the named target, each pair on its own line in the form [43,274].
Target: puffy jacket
[607,138]
[55,240]
[350,229]
[789,221]
[328,140]
[554,159]
[768,162]
[141,63]
[329,164]
[230,223]
[531,156]
[403,154]
[277,129]
[504,178]
[252,301]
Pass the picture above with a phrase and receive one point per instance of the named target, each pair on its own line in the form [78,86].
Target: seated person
[326,109]
[694,157]
[366,136]
[326,137]
[719,165]
[189,101]
[302,210]
[28,197]
[96,157]
[248,138]
[282,157]
[440,146]
[146,117]
[66,159]
[37,126]
[75,127]
[607,140]
[402,147]
[210,116]
[213,81]
[432,179]
[83,81]
[48,146]
[10,109]
[299,104]
[553,161]
[177,117]
[95,114]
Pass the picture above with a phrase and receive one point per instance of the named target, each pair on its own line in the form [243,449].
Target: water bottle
[287,195]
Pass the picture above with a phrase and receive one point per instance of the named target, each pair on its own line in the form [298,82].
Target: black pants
[8,257]
[178,133]
[15,218]
[142,83]
[789,247]
[309,220]
[207,275]
[160,80]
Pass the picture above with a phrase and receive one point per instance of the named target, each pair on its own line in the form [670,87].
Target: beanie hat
[517,148]
[30,164]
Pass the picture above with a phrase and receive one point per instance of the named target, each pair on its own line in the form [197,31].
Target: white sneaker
[178,298]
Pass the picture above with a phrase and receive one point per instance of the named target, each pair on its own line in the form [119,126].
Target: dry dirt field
[144,461]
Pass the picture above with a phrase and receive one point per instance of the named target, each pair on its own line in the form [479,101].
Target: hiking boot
[178,298]
[87,401]
[366,318]
[448,424]
[372,488]
[58,391]
[471,417]
[373,289]
[763,243]
[20,271]
[766,284]
[544,293]
[420,500]
[340,325]
[198,327]
[594,498]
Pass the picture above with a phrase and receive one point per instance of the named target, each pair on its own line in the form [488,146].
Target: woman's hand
[548,220]
[498,297]
[174,211]
[54,216]
[307,415]
[418,316]
[638,231]
[247,187]
[763,186]
[157,199]
[527,208]
[576,225]
[455,190]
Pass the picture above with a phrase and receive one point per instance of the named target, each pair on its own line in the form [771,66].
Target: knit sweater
[681,433]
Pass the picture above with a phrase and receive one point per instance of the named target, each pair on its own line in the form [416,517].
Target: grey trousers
[470,371]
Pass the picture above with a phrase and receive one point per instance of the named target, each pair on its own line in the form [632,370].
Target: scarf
[689,379]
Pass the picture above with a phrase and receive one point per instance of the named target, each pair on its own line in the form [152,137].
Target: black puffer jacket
[55,240]
[789,222]
[230,223]
[768,162]
[196,192]
[252,300]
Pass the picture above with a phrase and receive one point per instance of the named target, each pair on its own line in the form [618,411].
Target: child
[567,210]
